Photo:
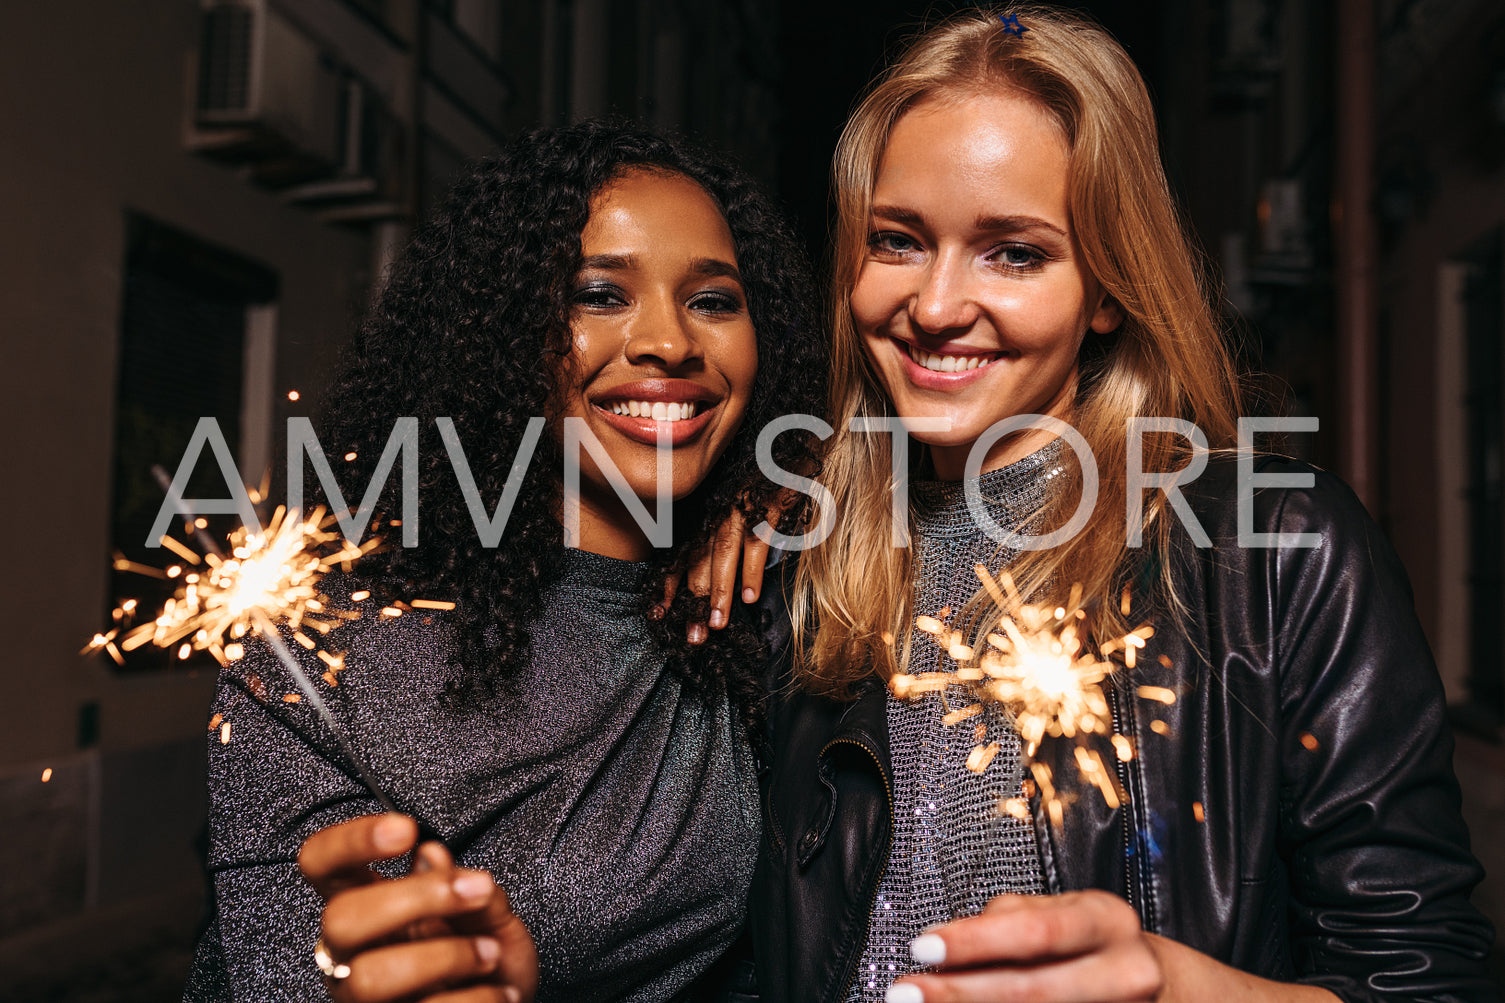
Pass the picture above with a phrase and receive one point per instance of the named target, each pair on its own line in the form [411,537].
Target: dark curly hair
[473,324]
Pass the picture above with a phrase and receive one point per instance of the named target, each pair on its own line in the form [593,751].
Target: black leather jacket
[1309,727]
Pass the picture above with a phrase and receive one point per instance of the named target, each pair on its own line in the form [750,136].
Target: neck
[608,528]
[951,461]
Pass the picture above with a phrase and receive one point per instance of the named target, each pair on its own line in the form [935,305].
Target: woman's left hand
[1074,948]
[734,557]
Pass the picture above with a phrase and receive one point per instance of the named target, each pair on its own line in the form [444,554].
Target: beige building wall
[91,128]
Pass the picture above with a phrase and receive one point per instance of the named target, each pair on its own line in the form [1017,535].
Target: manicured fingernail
[748,595]
[718,619]
[697,633]
[473,886]
[904,992]
[391,834]
[512,994]
[927,949]
[488,950]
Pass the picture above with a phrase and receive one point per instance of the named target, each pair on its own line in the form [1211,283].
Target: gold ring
[333,970]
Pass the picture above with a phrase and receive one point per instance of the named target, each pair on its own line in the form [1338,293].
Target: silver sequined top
[953,849]
[618,809]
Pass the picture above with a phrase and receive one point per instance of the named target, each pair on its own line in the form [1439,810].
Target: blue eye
[1019,257]
[890,242]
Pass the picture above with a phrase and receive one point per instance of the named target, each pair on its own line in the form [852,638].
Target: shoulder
[1300,574]
[1281,517]
[1272,494]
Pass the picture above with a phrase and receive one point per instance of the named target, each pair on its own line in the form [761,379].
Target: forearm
[1193,977]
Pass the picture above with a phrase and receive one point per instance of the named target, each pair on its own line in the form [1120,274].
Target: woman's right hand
[442,934]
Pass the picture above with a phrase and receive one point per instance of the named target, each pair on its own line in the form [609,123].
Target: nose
[944,301]
[661,333]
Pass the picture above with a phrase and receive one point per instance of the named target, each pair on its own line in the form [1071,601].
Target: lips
[644,410]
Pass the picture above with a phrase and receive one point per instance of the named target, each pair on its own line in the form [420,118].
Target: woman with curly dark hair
[595,285]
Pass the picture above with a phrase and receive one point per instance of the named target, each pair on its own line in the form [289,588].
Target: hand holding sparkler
[436,929]
[1086,945]
[1075,946]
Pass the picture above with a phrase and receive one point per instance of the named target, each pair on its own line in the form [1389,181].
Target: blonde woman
[1289,829]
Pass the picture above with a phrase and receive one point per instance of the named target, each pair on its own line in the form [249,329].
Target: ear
[1107,316]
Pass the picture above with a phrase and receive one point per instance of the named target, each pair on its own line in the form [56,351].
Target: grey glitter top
[618,809]
[953,849]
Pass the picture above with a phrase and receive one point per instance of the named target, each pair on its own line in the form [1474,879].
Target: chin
[945,441]
[685,479]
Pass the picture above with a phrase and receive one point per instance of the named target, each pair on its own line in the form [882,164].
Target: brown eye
[716,302]
[597,296]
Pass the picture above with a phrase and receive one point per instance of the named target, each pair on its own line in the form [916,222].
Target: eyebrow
[625,262]
[1015,223]
[899,214]
[716,267]
[609,262]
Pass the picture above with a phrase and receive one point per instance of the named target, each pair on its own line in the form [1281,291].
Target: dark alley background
[198,196]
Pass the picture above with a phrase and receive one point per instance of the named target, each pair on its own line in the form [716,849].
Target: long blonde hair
[853,612]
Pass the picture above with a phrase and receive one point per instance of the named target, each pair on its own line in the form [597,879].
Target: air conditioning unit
[367,183]
[266,95]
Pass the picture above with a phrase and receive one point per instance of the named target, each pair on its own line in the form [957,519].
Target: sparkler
[1038,667]
[267,579]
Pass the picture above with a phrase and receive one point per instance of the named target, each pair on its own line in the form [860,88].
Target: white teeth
[947,363]
[657,410]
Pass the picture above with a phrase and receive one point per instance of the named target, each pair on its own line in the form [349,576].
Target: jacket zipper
[1123,780]
[887,848]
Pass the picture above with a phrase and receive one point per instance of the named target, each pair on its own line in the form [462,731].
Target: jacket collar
[865,721]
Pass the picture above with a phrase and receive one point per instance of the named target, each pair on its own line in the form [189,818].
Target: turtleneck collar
[1012,494]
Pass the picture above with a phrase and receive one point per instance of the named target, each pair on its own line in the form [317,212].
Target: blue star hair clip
[1012,26]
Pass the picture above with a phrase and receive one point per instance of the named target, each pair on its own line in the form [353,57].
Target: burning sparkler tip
[1039,667]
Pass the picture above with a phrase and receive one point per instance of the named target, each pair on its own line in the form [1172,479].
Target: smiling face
[662,343]
[972,301]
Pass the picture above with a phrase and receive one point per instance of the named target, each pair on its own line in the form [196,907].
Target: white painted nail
[927,949]
[904,992]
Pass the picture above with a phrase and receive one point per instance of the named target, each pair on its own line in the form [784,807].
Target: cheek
[878,361]
[739,366]
[873,300]
[1043,324]
[594,341]
[567,381]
